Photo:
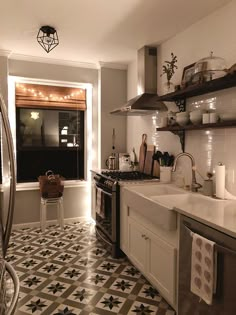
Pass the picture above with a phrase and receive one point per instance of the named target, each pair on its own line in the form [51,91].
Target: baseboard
[49,222]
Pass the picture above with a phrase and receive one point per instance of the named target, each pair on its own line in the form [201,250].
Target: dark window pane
[49,139]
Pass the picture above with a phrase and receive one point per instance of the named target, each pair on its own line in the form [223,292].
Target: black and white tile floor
[69,273]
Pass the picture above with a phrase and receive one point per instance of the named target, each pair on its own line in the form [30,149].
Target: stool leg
[61,214]
[43,216]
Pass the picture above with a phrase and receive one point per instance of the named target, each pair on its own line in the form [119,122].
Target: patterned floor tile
[72,274]
[96,279]
[111,303]
[66,310]
[50,268]
[123,285]
[32,282]
[138,308]
[108,266]
[35,305]
[149,292]
[68,272]
[55,288]
[82,295]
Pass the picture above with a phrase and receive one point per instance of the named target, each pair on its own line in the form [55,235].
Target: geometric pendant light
[47,37]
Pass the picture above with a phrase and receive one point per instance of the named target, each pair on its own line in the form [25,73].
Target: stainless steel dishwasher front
[224,300]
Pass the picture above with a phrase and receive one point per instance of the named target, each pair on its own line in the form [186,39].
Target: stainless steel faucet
[194,186]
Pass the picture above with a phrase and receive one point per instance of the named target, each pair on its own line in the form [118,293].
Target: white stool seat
[51,202]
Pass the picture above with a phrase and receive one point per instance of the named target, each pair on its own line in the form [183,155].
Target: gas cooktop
[120,175]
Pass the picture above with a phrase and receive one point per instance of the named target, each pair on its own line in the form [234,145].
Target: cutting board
[148,165]
[142,153]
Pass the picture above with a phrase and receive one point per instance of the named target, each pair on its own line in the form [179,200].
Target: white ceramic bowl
[182,121]
[196,119]
[182,114]
[228,116]
[197,112]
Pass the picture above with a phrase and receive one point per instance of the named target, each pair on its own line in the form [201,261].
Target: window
[49,131]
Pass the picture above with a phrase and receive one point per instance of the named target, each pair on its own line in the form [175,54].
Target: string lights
[50,96]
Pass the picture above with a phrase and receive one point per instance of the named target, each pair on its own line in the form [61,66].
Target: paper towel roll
[220,181]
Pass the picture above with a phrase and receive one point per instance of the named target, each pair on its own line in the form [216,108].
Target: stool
[60,211]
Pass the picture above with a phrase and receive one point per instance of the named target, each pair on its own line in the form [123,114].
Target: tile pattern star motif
[70,272]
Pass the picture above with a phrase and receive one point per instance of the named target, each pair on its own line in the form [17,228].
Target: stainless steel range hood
[146,101]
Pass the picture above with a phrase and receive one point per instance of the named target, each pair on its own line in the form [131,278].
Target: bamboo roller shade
[49,97]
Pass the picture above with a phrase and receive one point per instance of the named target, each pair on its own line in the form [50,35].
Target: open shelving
[222,83]
[180,96]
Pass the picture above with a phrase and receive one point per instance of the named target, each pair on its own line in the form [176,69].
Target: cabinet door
[161,266]
[137,243]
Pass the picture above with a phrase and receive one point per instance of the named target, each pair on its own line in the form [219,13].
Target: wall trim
[5,53]
[50,222]
[62,62]
[112,65]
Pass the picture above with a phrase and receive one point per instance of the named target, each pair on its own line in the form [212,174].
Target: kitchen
[113,93]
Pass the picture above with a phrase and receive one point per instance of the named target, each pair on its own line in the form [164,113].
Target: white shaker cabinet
[152,250]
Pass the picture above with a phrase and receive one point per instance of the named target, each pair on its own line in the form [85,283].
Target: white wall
[213,33]
[113,91]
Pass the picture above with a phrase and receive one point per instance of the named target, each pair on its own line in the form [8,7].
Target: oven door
[106,210]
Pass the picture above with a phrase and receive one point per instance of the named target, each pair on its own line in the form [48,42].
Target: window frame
[12,80]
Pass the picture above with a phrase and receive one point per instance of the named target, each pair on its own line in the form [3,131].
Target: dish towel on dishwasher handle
[100,202]
[203,268]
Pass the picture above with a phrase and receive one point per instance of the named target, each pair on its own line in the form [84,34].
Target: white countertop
[218,214]
[222,216]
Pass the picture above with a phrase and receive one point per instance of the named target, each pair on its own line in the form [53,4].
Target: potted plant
[168,69]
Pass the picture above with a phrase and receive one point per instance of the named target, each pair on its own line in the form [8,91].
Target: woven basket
[51,185]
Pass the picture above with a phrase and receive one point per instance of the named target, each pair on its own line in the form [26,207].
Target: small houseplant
[168,69]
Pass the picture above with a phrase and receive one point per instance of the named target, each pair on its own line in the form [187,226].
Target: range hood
[146,101]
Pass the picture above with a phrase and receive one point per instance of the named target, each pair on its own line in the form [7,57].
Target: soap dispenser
[208,185]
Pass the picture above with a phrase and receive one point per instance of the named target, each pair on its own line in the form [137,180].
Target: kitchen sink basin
[140,198]
[190,202]
[156,189]
[157,202]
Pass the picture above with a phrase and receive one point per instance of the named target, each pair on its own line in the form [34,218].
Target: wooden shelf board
[225,82]
[198,127]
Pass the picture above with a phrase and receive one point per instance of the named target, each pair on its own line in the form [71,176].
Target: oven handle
[101,236]
[105,192]
[219,248]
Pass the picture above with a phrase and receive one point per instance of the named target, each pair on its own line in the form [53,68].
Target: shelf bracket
[181,104]
[181,135]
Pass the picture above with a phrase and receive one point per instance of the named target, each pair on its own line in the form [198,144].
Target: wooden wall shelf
[225,82]
[224,124]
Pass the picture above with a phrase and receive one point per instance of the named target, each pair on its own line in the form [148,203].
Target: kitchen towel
[100,202]
[220,181]
[203,268]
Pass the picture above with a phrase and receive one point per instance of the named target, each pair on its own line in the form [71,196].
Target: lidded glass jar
[209,68]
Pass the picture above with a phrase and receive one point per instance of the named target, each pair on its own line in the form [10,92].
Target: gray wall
[113,95]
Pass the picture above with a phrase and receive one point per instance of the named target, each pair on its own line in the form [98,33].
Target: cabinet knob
[143,235]
[146,238]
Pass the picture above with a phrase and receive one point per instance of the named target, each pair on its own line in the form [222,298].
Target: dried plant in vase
[168,69]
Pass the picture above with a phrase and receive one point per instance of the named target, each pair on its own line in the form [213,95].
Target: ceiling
[93,31]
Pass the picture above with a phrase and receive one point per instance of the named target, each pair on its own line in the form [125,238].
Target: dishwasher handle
[220,248]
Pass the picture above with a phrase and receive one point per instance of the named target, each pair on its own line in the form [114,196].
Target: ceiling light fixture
[47,37]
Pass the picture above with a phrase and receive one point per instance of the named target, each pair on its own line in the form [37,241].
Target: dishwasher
[224,298]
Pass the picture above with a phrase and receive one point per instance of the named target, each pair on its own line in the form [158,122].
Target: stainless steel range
[107,205]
